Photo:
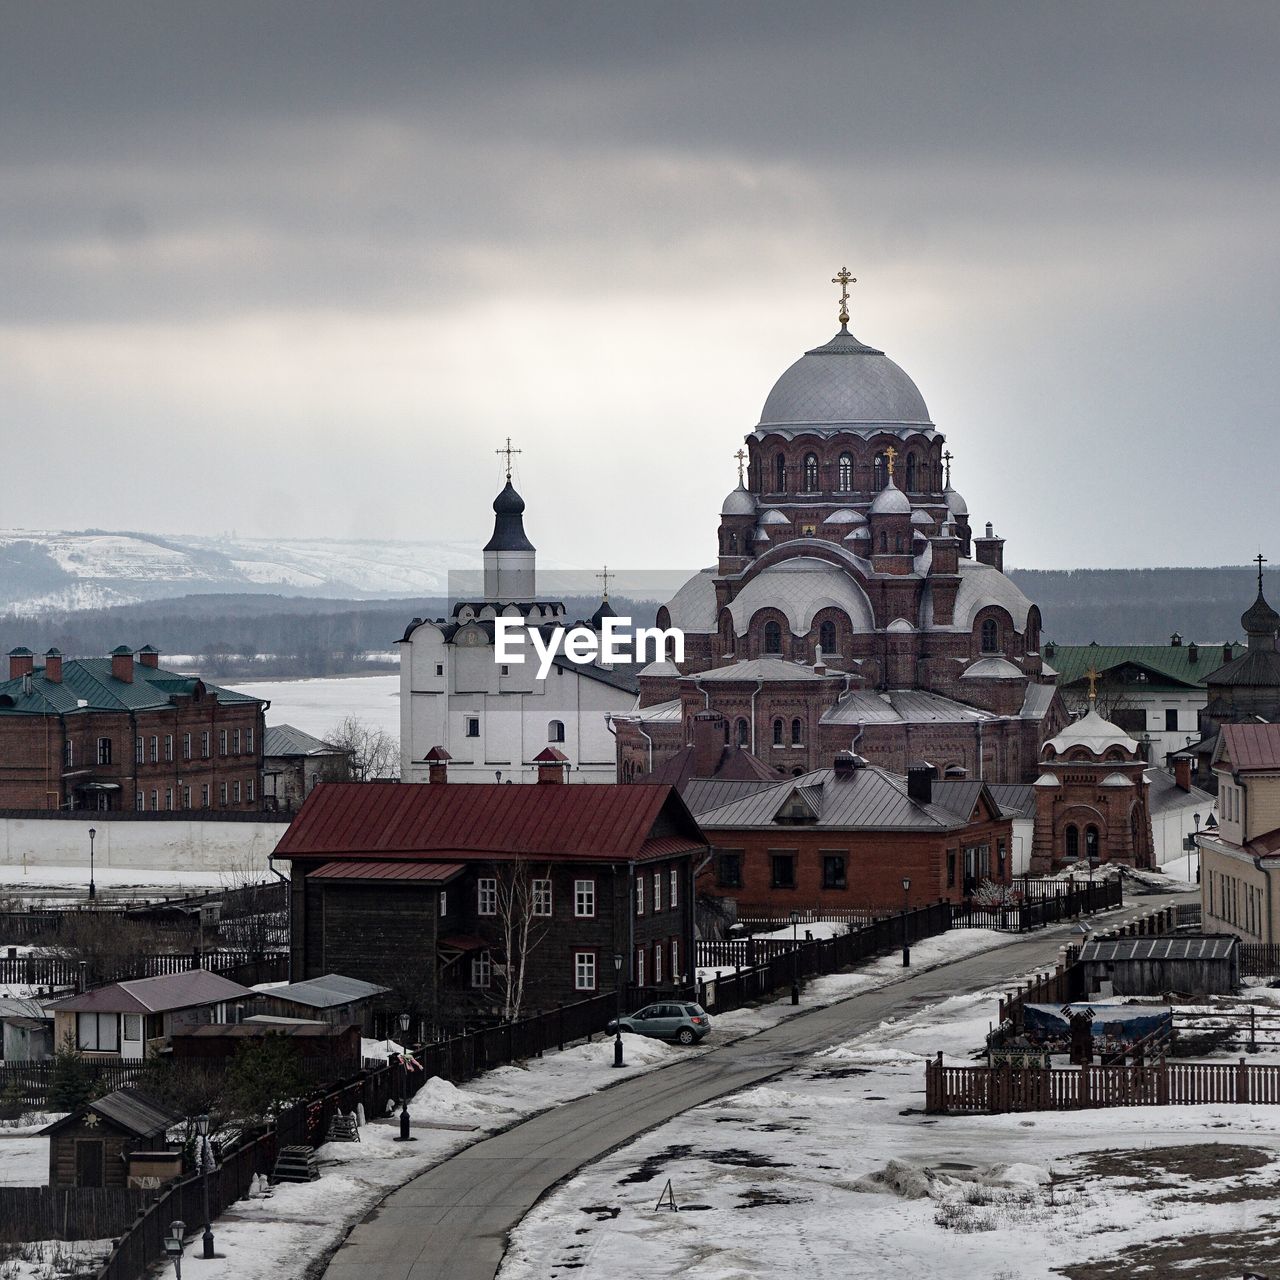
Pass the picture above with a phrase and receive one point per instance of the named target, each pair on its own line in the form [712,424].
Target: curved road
[451,1222]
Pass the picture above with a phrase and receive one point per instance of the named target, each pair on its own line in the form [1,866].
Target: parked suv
[682,1022]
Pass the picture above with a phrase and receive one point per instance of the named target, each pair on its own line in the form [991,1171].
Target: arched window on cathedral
[797,732]
[780,474]
[744,733]
[884,541]
[911,473]
[846,473]
[555,731]
[810,472]
[898,544]
[1091,843]
[990,636]
[772,637]
[1072,834]
[827,637]
[777,732]
[880,468]
[733,544]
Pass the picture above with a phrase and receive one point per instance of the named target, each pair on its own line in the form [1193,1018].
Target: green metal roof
[1168,663]
[89,680]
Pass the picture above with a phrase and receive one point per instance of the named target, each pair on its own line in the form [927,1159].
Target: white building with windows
[493,718]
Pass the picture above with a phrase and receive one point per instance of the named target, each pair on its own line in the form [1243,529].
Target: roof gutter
[759,686]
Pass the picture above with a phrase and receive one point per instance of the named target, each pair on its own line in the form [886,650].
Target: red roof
[1252,746]
[386,820]
[362,870]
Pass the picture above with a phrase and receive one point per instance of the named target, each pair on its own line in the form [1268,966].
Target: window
[248,740]
[899,543]
[69,753]
[139,751]
[204,796]
[777,732]
[1171,719]
[584,967]
[657,890]
[222,794]
[657,963]
[139,801]
[186,746]
[132,1027]
[673,891]
[186,797]
[542,897]
[168,746]
[846,472]
[98,1032]
[951,868]
[639,966]
[104,750]
[1091,843]
[482,970]
[911,473]
[675,959]
[235,742]
[772,637]
[780,474]
[884,541]
[810,471]
[248,789]
[827,637]
[155,749]
[584,898]
[473,726]
[486,897]
[506,670]
[797,732]
[439,668]
[555,731]
[833,874]
[639,895]
[168,797]
[784,870]
[990,636]
[222,742]
[444,902]
[204,745]
[880,471]
[729,871]
[744,733]
[235,791]
[1073,842]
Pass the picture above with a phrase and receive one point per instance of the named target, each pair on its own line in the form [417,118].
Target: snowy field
[833,1170]
[316,706]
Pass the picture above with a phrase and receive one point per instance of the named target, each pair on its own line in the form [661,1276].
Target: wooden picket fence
[1259,959]
[68,1213]
[1005,1088]
[33,1079]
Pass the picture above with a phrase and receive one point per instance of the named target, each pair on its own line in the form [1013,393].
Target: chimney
[438,765]
[708,743]
[1227,652]
[122,664]
[1182,772]
[553,766]
[920,781]
[149,656]
[1193,652]
[846,764]
[21,662]
[989,549]
[1175,641]
[53,666]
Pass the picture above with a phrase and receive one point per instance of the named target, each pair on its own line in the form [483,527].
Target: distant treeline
[239,635]
[1142,606]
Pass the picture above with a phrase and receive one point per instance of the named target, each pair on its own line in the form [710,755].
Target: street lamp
[404,1080]
[173,1245]
[795,959]
[206,1153]
[906,901]
[1195,844]
[92,889]
[617,1026]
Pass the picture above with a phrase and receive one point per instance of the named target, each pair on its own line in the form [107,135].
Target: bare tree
[374,752]
[524,917]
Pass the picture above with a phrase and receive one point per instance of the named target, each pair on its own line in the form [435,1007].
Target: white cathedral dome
[844,384]
[739,503]
[891,501]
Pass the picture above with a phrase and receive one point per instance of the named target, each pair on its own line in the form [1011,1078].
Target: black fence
[68,1213]
[1259,959]
[1050,902]
[32,1080]
[246,967]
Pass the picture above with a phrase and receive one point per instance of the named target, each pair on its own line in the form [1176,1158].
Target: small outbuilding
[91,1146]
[332,998]
[1190,964]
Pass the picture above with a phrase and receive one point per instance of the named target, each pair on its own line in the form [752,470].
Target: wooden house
[91,1146]
[332,998]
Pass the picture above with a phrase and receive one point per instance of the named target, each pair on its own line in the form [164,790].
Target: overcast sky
[297,269]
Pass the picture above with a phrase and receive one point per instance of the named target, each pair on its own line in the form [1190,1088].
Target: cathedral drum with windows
[851,606]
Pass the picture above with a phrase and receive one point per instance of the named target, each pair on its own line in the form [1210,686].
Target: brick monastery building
[851,608]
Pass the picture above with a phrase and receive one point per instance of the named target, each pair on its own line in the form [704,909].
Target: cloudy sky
[297,269]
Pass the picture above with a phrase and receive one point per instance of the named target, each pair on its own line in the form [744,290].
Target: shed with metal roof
[1185,964]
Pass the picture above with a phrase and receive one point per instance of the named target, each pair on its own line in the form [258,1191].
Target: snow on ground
[803,932]
[52,1259]
[24,1159]
[316,706]
[1183,870]
[19,877]
[832,1170]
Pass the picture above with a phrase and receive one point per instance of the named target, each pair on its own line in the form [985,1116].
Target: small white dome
[891,501]
[773,516]
[1046,780]
[899,625]
[739,503]
[921,518]
[955,503]
[761,534]
[858,534]
[992,669]
[660,668]
[846,515]
[1116,780]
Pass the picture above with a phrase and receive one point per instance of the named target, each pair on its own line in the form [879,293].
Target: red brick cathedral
[850,608]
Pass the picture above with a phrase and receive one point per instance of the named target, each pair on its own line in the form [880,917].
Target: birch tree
[524,917]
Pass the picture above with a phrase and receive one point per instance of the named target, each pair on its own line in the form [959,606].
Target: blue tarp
[1125,1022]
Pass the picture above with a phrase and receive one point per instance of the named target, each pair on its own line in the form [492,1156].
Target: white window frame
[206,744]
[640,894]
[248,740]
[139,750]
[69,754]
[487,896]
[131,1027]
[657,892]
[675,959]
[139,801]
[104,750]
[584,900]
[472,722]
[186,746]
[235,790]
[482,971]
[657,964]
[249,790]
[586,970]
[639,966]
[235,742]
[155,799]
[444,902]
[673,893]
[543,902]
[168,746]
[222,742]
[222,795]
[155,748]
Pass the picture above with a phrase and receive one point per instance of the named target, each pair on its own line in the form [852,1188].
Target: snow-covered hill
[51,570]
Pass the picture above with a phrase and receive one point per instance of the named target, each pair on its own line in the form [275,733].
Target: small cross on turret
[604,575]
[508,450]
[890,454]
[741,456]
[844,280]
[946,462]
[1261,560]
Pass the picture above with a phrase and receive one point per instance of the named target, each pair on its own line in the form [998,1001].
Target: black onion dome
[508,523]
[604,611]
[1260,618]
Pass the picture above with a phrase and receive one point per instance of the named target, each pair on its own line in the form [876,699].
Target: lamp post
[202,1130]
[795,958]
[92,889]
[1196,846]
[173,1245]
[617,1026]
[906,907]
[404,1081]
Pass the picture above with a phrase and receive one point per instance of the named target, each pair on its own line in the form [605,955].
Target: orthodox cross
[890,454]
[1261,559]
[844,280]
[741,456]
[604,575]
[1092,676]
[508,450]
[946,458]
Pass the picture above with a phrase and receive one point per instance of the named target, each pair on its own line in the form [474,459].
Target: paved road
[451,1222]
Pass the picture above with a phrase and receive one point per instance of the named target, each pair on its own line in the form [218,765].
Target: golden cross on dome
[890,454]
[604,575]
[946,458]
[508,450]
[844,280]
[1093,676]
[1261,559]
[741,456]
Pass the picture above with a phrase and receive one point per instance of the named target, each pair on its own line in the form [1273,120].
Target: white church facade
[492,718]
